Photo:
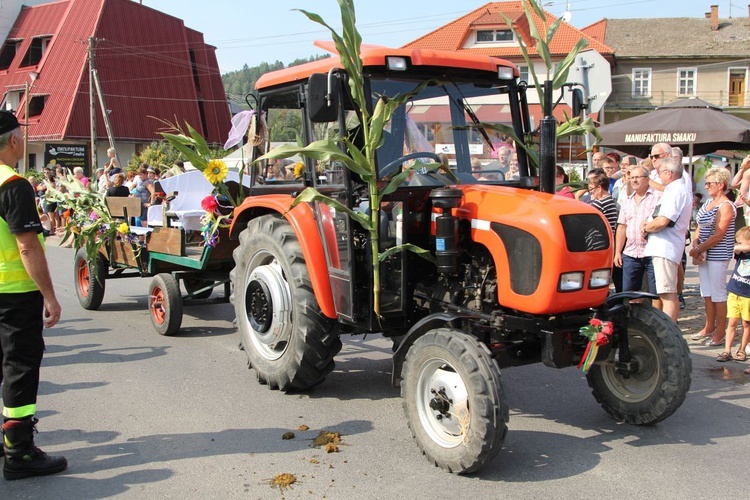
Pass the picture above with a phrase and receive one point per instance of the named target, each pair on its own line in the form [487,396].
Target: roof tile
[678,37]
[452,35]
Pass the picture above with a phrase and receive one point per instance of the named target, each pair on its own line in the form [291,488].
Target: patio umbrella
[694,125]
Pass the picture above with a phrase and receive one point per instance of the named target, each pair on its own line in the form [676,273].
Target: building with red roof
[151,67]
[485,31]
[661,60]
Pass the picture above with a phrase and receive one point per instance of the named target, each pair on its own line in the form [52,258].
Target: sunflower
[216,171]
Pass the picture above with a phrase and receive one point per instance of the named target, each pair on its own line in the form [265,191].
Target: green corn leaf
[310,195]
[323,150]
[199,142]
[181,143]
[563,67]
[537,8]
[425,254]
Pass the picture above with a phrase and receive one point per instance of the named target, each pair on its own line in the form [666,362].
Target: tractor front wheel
[454,400]
[658,379]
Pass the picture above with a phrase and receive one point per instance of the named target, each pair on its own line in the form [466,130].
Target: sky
[254,31]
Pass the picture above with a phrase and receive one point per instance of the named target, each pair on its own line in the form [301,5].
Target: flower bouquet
[90,224]
[219,205]
[598,332]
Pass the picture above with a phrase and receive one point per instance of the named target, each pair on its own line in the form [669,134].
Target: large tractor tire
[165,304]
[661,378]
[89,282]
[288,340]
[454,400]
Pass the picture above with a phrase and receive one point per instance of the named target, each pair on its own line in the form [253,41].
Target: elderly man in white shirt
[666,231]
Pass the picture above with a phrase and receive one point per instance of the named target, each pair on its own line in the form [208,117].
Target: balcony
[721,98]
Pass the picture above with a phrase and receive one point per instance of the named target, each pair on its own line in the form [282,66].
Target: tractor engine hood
[540,241]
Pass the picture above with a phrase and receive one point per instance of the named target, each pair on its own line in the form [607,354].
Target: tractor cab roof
[375,56]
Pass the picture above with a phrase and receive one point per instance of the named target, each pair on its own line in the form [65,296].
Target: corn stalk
[360,161]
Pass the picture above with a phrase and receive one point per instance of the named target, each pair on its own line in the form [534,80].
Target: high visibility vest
[13,276]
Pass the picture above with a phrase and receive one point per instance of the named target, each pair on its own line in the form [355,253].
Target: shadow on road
[89,356]
[541,456]
[103,453]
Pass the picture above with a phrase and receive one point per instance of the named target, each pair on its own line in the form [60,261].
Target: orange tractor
[514,272]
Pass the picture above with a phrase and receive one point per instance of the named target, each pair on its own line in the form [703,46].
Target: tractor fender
[617,298]
[302,220]
[424,325]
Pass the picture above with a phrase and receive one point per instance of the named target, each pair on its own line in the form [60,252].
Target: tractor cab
[449,94]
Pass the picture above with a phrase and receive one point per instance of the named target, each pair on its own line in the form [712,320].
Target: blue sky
[253,31]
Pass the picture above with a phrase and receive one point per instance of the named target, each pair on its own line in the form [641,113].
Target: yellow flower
[216,171]
[123,228]
[298,168]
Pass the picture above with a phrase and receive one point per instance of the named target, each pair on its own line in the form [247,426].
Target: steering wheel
[391,167]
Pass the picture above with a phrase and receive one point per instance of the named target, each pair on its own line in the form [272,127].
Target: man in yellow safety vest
[27,305]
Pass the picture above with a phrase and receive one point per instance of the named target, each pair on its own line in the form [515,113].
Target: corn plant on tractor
[513,272]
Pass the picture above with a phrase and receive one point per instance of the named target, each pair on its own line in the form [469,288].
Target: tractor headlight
[570,282]
[600,278]
[504,73]
[396,63]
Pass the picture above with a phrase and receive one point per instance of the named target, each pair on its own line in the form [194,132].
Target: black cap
[8,122]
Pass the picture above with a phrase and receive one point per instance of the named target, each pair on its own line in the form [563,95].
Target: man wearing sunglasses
[658,153]
[630,246]
[665,231]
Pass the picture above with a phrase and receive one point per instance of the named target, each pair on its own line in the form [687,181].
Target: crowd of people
[654,215]
[109,180]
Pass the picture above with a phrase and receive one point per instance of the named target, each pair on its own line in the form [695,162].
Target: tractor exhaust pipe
[547,146]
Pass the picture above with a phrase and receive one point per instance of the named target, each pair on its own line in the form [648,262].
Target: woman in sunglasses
[712,248]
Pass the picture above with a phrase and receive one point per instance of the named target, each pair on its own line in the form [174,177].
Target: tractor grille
[585,232]
[524,258]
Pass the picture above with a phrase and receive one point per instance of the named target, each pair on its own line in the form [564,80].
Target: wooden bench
[126,208]
[123,207]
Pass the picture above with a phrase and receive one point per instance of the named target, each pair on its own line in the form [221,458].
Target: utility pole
[92,105]
[584,68]
[105,113]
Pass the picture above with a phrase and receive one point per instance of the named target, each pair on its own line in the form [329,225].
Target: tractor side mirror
[323,97]
[578,104]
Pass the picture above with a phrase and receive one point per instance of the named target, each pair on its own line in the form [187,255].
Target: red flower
[209,204]
[595,322]
[602,339]
[607,328]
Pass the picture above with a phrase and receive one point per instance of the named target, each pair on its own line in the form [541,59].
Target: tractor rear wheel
[288,340]
[660,375]
[89,282]
[454,400]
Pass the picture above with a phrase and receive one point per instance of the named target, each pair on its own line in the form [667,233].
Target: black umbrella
[694,125]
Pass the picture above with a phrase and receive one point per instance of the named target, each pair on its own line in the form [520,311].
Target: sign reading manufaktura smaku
[668,137]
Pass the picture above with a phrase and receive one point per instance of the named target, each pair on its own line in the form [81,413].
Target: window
[194,65]
[8,53]
[488,36]
[36,105]
[36,50]
[524,71]
[686,79]
[641,82]
[503,36]
[485,36]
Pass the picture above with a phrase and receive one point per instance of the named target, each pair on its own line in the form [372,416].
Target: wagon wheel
[192,284]
[89,280]
[165,304]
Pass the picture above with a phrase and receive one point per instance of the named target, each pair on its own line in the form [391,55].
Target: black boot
[22,458]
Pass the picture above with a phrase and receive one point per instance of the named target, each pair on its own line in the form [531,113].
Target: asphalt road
[144,416]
